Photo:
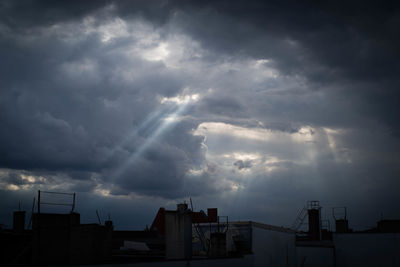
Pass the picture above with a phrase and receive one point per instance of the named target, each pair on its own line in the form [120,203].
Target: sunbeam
[152,121]
[155,125]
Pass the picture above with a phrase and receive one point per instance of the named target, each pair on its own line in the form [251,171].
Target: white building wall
[315,256]
[273,248]
[178,237]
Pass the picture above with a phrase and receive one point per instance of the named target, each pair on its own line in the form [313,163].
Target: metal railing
[40,202]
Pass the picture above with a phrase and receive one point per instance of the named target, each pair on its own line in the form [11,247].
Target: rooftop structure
[182,236]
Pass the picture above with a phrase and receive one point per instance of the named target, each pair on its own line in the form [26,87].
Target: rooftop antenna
[33,210]
[191,203]
[98,217]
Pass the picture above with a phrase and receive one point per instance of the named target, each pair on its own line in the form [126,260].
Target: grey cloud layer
[82,89]
[66,105]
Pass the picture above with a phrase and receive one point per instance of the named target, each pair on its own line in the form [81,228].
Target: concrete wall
[367,249]
[90,243]
[51,237]
[315,256]
[178,235]
[61,239]
[273,248]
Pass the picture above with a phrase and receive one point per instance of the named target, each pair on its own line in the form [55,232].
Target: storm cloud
[250,106]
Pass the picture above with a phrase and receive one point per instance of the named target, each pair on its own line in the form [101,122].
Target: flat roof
[260,225]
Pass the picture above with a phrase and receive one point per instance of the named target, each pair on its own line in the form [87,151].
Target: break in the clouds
[252,107]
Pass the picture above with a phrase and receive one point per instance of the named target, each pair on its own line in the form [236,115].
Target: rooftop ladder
[300,219]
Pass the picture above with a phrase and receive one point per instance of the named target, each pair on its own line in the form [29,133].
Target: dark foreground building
[183,237]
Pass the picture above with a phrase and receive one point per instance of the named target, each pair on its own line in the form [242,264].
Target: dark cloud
[29,13]
[67,109]
[240,164]
[110,97]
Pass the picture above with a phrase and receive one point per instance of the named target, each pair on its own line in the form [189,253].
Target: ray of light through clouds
[251,107]
[163,123]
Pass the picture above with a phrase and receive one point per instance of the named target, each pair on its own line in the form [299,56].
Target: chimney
[314,221]
[19,221]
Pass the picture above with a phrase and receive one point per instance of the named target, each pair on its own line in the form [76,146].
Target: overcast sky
[250,107]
